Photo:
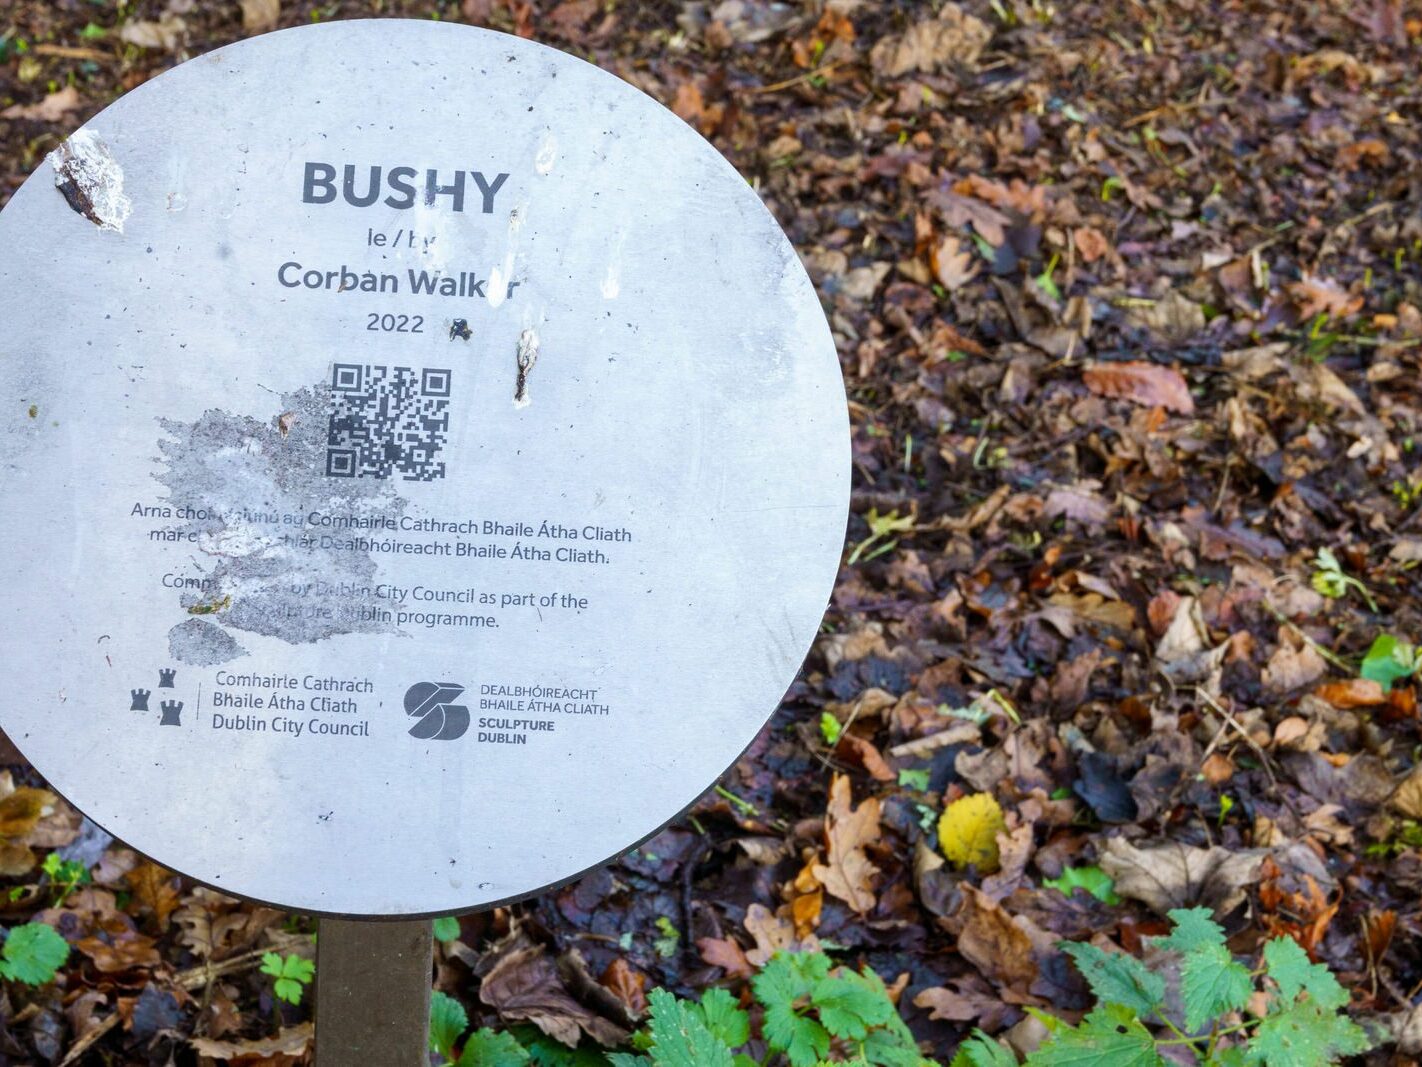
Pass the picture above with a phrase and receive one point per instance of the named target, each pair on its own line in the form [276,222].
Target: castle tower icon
[171,710]
[165,677]
[140,699]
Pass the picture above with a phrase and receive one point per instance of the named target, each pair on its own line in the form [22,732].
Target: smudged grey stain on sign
[203,644]
[91,180]
[250,487]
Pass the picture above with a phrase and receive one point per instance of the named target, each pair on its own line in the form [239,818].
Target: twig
[69,52]
[1342,664]
[790,82]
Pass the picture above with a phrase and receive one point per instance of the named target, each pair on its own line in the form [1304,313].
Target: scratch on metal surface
[527,357]
[91,180]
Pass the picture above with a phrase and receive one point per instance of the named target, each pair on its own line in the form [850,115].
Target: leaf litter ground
[1127,298]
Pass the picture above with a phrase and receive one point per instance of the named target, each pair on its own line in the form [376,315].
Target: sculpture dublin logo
[439,720]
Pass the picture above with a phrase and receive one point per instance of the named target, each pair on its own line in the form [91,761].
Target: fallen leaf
[1322,296]
[953,37]
[953,265]
[52,108]
[1174,317]
[259,16]
[290,1041]
[1180,876]
[1091,243]
[22,810]
[166,34]
[123,953]
[1141,383]
[1407,798]
[1352,693]
[773,933]
[523,986]
[968,829]
[993,943]
[724,953]
[847,872]
[155,889]
[1291,668]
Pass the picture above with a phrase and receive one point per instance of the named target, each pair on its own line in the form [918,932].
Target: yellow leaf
[968,829]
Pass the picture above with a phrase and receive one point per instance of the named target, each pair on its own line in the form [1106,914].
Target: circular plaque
[426,463]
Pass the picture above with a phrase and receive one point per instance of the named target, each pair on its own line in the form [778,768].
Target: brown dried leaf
[1179,876]
[1292,667]
[290,1041]
[724,953]
[52,108]
[1141,383]
[124,953]
[155,889]
[21,811]
[15,859]
[847,872]
[953,37]
[953,265]
[166,34]
[524,986]
[1091,243]
[773,933]
[1317,296]
[993,943]
[259,16]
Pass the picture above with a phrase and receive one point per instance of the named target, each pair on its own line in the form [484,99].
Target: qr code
[387,421]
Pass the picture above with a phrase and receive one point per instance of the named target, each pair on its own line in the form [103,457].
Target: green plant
[484,1047]
[292,974]
[32,954]
[1092,879]
[1390,659]
[809,1004]
[881,526]
[446,928]
[830,728]
[1329,579]
[65,875]
[1303,1025]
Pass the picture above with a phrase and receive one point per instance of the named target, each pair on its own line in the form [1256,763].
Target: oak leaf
[847,872]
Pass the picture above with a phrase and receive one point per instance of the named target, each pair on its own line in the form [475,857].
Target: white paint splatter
[500,276]
[86,172]
[547,154]
[612,276]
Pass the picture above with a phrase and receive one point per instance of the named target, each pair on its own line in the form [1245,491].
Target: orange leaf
[155,890]
[1141,383]
[1352,693]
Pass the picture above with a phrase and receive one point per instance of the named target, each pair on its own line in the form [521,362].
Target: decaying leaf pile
[1129,303]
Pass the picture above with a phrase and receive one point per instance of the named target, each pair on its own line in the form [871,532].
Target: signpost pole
[373,993]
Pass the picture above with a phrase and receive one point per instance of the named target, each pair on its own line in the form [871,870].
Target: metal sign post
[409,430]
[373,993]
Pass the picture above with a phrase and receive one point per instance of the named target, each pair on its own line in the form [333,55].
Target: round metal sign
[427,466]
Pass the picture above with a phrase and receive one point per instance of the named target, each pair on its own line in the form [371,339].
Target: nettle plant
[1302,1025]
[816,1014]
